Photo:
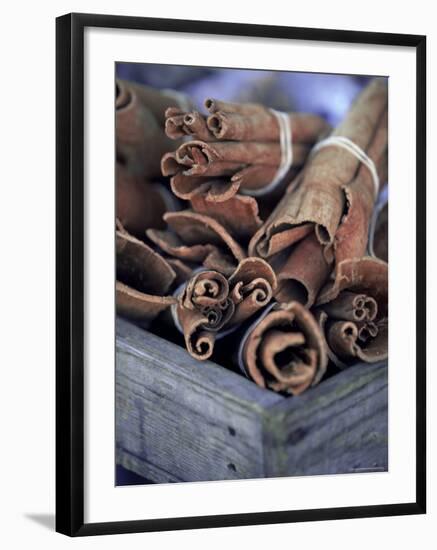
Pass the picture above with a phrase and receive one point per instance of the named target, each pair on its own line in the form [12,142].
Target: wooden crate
[182,420]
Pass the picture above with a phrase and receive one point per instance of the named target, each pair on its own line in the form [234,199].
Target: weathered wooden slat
[182,420]
[195,420]
[338,427]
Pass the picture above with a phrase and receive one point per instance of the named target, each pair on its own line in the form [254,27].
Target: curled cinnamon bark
[353,312]
[240,165]
[140,136]
[227,157]
[140,204]
[203,309]
[254,178]
[315,198]
[140,266]
[239,214]
[251,287]
[198,341]
[183,270]
[143,279]
[350,306]
[263,126]
[179,124]
[240,142]
[213,190]
[200,239]
[285,350]
[211,303]
[140,306]
[363,275]
[205,289]
[304,272]
[352,234]
[158,101]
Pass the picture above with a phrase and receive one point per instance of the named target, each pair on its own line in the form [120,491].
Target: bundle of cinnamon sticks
[236,147]
[269,251]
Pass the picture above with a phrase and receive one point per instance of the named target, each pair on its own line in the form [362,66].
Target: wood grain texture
[339,426]
[178,419]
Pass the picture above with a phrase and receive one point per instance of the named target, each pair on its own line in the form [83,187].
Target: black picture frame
[70,273]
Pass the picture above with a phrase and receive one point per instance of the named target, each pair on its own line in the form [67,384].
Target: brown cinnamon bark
[203,157]
[183,270]
[203,309]
[140,204]
[315,198]
[139,306]
[350,306]
[143,279]
[304,272]
[214,105]
[251,288]
[239,214]
[158,101]
[218,170]
[353,312]
[263,126]
[352,235]
[247,150]
[198,341]
[213,190]
[140,136]
[140,267]
[179,124]
[207,288]
[255,177]
[285,350]
[200,239]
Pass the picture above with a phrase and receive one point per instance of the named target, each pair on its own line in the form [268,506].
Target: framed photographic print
[240,274]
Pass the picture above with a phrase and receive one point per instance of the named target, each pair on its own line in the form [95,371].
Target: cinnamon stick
[139,306]
[200,239]
[304,272]
[140,204]
[315,199]
[352,234]
[198,340]
[248,166]
[140,266]
[143,279]
[139,128]
[263,126]
[226,157]
[285,350]
[241,141]
[239,214]
[251,288]
[213,190]
[353,312]
[203,309]
[179,124]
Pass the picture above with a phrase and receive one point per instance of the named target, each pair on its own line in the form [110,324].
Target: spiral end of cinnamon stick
[216,126]
[210,104]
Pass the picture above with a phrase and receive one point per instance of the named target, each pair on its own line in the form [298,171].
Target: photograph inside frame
[251,274]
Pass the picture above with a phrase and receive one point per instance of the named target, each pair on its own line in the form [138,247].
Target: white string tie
[355,150]
[286,143]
